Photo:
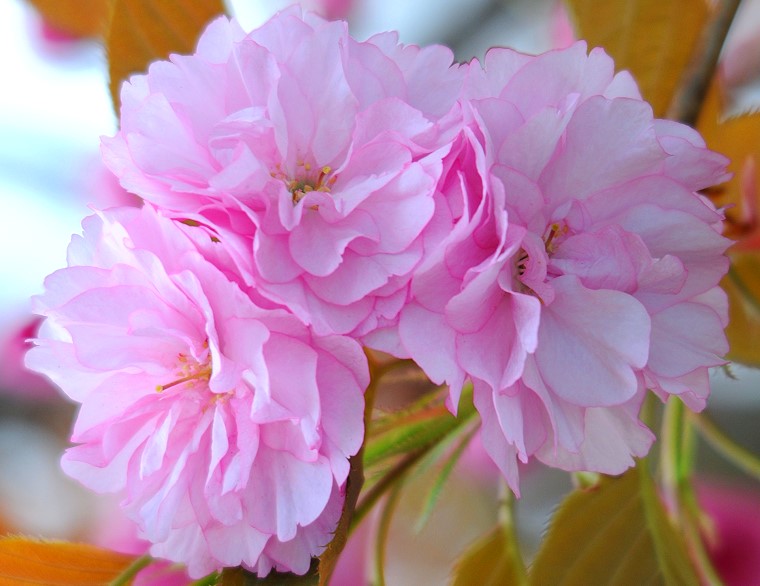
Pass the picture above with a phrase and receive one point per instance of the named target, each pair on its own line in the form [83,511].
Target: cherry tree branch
[691,92]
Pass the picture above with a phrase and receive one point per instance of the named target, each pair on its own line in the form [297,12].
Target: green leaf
[416,429]
[387,420]
[616,533]
[143,31]
[404,439]
[488,562]
[447,466]
[383,531]
[653,39]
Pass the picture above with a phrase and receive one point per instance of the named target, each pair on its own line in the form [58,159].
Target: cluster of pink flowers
[524,224]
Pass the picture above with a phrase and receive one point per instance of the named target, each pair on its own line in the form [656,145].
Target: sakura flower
[580,268]
[225,427]
[315,153]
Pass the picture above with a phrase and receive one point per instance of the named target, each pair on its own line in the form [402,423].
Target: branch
[687,102]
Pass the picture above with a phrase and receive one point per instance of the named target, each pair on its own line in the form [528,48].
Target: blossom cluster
[522,224]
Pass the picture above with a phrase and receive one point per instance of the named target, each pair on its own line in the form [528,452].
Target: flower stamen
[203,374]
[189,370]
[555,230]
[305,183]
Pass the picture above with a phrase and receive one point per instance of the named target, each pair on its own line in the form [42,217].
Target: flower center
[306,181]
[553,235]
[189,371]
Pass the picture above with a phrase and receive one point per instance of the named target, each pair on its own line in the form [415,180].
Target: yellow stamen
[555,229]
[204,373]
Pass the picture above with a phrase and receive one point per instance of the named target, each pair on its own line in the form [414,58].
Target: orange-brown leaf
[739,139]
[143,31]
[653,39]
[25,561]
[742,284]
[80,18]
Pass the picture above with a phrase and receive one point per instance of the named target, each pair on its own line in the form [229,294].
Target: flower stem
[383,530]
[508,525]
[677,467]
[725,446]
[695,541]
[134,568]
[378,490]
[671,467]
[210,580]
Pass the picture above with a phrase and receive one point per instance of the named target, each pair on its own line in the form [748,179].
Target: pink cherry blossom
[311,154]
[226,427]
[579,267]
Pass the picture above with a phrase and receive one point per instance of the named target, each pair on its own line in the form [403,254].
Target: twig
[687,102]
[508,524]
[128,575]
[721,443]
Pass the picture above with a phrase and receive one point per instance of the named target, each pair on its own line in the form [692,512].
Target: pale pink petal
[496,445]
[613,438]
[592,159]
[590,344]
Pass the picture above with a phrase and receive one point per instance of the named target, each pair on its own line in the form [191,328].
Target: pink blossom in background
[98,187]
[313,156]
[55,35]
[356,558]
[578,266]
[225,427]
[15,379]
[111,529]
[562,33]
[734,538]
[740,58]
[334,9]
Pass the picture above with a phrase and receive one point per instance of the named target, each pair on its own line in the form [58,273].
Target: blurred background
[54,106]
